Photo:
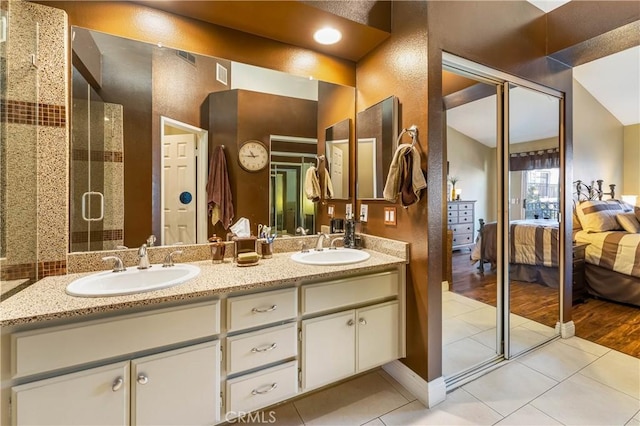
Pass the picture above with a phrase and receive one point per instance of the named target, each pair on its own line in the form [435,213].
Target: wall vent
[221,74]
[189,57]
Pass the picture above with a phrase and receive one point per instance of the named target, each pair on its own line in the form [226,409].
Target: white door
[328,349]
[99,396]
[177,387]
[179,188]
[378,336]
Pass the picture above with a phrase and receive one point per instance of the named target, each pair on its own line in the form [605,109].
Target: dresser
[461,221]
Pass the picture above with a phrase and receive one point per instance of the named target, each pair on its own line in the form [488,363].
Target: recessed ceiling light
[327,35]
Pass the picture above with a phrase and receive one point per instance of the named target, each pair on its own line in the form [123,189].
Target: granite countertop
[46,299]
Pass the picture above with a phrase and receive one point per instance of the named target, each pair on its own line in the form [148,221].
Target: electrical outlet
[364,212]
[349,211]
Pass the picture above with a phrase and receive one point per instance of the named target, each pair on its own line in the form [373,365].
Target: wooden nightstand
[579,291]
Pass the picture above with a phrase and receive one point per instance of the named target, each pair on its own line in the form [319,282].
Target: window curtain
[545,159]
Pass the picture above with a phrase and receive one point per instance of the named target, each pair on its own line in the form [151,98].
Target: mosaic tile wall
[34,110]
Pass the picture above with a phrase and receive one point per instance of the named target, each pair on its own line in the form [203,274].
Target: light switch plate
[349,210]
[364,212]
[390,216]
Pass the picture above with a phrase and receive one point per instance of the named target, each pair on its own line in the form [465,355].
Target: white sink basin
[131,281]
[341,256]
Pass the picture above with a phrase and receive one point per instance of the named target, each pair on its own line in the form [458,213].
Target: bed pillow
[636,210]
[629,222]
[576,221]
[599,216]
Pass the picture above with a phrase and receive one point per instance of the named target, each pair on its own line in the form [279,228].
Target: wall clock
[253,156]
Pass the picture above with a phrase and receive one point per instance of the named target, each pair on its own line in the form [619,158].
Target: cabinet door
[99,396]
[177,387]
[377,335]
[328,349]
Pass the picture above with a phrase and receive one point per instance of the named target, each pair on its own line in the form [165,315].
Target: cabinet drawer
[451,207]
[253,310]
[262,347]
[266,387]
[462,239]
[465,219]
[465,213]
[452,214]
[465,207]
[349,291]
[52,348]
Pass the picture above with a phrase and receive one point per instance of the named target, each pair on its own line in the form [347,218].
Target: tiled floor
[568,381]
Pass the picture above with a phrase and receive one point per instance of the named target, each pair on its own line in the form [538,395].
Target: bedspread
[533,242]
[617,251]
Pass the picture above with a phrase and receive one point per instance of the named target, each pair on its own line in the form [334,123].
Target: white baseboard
[428,393]
[566,330]
[445,285]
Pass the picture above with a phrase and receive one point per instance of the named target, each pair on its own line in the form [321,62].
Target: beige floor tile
[454,329]
[528,416]
[557,360]
[634,421]
[484,318]
[374,422]
[464,354]
[352,403]
[460,408]
[397,386]
[580,400]
[617,370]
[523,338]
[452,308]
[510,387]
[585,345]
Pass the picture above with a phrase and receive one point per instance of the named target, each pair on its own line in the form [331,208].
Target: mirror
[376,133]
[337,143]
[137,107]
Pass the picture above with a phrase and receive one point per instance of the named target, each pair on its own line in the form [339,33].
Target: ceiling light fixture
[327,35]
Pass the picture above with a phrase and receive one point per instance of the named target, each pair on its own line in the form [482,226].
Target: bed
[612,231]
[533,252]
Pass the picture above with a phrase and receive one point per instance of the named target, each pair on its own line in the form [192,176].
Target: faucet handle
[304,248]
[168,260]
[117,266]
[333,242]
[151,240]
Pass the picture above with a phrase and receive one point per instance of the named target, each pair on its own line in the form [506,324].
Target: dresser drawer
[461,229]
[452,207]
[462,239]
[251,350]
[465,219]
[348,292]
[468,207]
[253,310]
[65,346]
[452,214]
[266,387]
[465,213]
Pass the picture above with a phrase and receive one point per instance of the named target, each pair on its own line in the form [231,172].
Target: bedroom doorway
[503,153]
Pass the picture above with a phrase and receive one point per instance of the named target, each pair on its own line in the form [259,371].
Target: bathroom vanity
[230,341]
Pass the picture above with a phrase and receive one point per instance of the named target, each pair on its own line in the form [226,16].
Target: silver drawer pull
[117,384]
[262,392]
[362,321]
[267,349]
[263,310]
[142,379]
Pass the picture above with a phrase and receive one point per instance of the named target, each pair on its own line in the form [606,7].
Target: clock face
[253,156]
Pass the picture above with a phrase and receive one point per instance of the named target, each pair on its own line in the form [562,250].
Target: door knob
[142,379]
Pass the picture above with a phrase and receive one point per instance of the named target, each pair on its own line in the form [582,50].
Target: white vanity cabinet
[174,387]
[177,383]
[339,344]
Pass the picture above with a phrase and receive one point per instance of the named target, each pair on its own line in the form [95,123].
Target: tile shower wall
[34,111]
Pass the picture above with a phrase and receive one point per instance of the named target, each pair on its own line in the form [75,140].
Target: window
[542,194]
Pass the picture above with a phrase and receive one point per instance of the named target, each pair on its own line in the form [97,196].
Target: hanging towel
[218,190]
[312,185]
[328,185]
[405,176]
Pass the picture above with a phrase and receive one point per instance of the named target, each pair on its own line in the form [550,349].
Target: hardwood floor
[609,324]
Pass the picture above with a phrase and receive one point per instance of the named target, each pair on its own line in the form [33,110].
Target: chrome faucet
[168,260]
[301,231]
[143,258]
[117,266]
[321,237]
[333,242]
[151,240]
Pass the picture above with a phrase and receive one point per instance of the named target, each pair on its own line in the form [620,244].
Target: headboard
[586,192]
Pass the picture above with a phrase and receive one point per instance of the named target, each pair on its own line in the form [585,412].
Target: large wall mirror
[337,147]
[376,133]
[144,117]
